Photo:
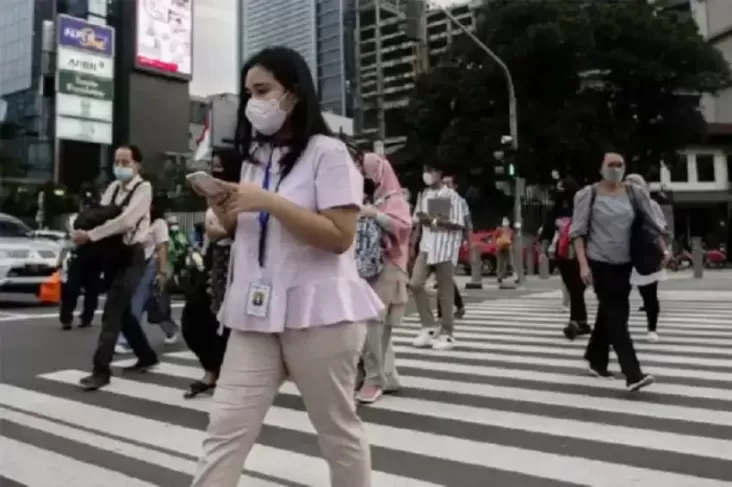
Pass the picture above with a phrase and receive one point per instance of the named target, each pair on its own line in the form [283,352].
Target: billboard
[165,37]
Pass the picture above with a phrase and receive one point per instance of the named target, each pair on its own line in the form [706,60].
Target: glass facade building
[28,147]
[317,29]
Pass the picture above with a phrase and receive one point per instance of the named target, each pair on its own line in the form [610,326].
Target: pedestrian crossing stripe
[509,406]
[705,296]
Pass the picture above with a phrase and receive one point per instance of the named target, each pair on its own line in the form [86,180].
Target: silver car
[26,261]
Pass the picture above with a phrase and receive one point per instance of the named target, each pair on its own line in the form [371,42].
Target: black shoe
[583,329]
[142,366]
[571,331]
[645,380]
[65,326]
[94,382]
[599,372]
[459,313]
[85,324]
[642,308]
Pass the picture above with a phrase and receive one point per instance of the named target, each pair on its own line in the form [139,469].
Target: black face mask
[369,188]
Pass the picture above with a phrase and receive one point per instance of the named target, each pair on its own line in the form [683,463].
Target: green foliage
[651,67]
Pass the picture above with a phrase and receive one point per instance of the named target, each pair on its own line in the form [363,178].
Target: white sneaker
[172,339]
[652,336]
[121,349]
[443,342]
[425,338]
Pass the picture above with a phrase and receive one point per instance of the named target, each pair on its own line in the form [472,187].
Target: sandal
[197,388]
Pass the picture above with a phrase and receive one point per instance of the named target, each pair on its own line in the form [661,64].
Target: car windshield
[17,229]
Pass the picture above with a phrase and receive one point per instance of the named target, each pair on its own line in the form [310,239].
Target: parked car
[485,241]
[26,261]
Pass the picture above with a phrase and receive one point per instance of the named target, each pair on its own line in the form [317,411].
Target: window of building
[679,169]
[705,168]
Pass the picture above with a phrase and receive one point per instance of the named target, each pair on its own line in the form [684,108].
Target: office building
[317,29]
[387,63]
[26,142]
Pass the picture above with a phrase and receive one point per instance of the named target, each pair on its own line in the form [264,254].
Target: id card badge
[258,299]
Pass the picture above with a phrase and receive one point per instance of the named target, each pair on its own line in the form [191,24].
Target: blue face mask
[123,173]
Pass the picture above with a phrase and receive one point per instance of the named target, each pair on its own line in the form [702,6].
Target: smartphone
[205,183]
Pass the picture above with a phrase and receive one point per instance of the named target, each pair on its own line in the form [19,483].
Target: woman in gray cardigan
[602,226]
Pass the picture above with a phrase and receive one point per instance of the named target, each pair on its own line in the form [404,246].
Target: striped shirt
[439,244]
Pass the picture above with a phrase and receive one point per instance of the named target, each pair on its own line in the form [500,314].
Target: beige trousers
[378,351]
[445,275]
[322,363]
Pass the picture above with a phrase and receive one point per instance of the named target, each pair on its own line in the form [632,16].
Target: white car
[26,261]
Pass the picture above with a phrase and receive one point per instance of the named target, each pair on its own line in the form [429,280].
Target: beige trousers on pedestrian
[444,274]
[321,362]
[378,351]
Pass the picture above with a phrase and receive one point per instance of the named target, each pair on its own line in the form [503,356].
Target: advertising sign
[85,85]
[80,62]
[79,106]
[80,34]
[84,80]
[165,36]
[68,128]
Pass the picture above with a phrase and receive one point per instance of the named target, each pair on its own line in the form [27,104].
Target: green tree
[651,67]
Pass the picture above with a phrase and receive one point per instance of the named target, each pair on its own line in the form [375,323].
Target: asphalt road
[510,406]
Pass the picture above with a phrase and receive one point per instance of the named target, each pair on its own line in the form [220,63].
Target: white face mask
[505,223]
[266,116]
[428,178]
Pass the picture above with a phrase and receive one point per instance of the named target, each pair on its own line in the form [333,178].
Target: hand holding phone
[206,185]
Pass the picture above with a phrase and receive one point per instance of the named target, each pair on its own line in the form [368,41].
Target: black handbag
[645,254]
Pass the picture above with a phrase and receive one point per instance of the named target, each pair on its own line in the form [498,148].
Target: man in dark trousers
[132,196]
[83,272]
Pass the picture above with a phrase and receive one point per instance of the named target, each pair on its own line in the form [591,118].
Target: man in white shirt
[133,195]
[440,213]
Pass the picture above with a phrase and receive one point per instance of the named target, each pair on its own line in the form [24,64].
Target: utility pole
[512,121]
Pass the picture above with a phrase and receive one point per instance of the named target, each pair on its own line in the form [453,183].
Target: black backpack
[112,247]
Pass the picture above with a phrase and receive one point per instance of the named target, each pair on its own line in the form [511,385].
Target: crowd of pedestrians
[311,253]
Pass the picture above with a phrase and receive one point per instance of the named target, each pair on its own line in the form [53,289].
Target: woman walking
[295,303]
[648,284]
[557,230]
[203,300]
[391,213]
[613,229]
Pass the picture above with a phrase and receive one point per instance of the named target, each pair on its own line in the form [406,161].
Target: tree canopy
[588,75]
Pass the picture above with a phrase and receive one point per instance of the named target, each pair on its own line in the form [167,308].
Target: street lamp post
[513,131]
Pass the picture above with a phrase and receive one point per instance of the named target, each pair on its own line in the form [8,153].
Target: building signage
[85,85]
[68,128]
[80,34]
[81,62]
[79,106]
[84,81]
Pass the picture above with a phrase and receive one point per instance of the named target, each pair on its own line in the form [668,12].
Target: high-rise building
[317,29]
[27,138]
[387,62]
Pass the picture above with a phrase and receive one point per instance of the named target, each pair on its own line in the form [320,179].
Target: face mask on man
[123,173]
[504,223]
[613,174]
[266,115]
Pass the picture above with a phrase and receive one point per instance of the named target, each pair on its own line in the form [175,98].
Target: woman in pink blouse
[391,212]
[295,303]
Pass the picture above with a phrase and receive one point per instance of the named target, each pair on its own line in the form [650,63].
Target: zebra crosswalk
[510,406]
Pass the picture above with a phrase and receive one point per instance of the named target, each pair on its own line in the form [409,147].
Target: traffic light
[506,158]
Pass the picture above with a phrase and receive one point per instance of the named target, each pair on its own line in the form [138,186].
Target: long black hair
[306,120]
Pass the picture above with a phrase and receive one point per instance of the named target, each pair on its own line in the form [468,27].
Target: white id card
[258,299]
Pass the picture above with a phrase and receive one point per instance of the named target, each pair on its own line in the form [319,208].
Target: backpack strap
[128,197]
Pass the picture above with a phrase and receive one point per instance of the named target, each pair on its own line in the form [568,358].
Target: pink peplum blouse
[309,287]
